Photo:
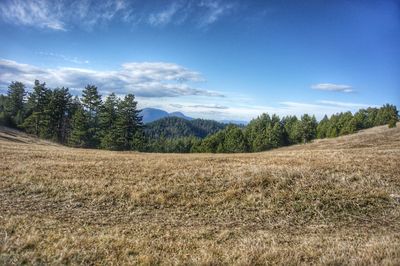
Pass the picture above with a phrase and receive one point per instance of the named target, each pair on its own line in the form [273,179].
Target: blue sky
[210,58]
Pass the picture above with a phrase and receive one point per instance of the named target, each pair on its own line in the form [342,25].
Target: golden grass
[333,201]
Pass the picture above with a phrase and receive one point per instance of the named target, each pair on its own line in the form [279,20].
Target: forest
[115,123]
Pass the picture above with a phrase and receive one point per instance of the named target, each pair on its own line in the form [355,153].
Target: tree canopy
[115,123]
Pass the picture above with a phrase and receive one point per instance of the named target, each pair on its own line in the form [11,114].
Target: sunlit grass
[330,202]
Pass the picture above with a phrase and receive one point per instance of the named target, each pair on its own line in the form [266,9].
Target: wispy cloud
[198,106]
[38,13]
[332,87]
[63,15]
[145,79]
[69,59]
[214,10]
[321,107]
[345,104]
[163,17]
[209,106]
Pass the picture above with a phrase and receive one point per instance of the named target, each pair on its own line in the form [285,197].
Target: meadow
[332,201]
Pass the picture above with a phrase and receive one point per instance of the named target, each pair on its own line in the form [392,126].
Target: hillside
[152,114]
[333,201]
[174,127]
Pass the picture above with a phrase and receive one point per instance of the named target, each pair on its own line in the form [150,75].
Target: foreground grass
[330,202]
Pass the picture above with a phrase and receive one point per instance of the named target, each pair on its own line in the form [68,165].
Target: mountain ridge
[151,114]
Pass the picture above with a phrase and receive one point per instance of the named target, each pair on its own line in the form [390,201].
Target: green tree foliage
[174,145]
[255,132]
[128,124]
[79,136]
[117,125]
[308,128]
[275,135]
[322,128]
[213,143]
[234,140]
[176,127]
[37,121]
[387,114]
[59,113]
[107,117]
[347,124]
[292,129]
[91,101]
[5,119]
[14,106]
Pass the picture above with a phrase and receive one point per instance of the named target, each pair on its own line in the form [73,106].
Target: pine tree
[91,101]
[275,135]
[14,106]
[37,120]
[322,128]
[308,127]
[386,114]
[128,123]
[58,111]
[79,136]
[107,121]
[234,140]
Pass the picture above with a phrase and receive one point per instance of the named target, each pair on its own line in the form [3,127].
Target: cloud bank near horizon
[144,79]
[167,86]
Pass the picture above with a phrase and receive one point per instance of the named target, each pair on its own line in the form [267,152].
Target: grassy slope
[333,201]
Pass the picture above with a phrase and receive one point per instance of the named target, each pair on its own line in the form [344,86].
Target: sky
[213,59]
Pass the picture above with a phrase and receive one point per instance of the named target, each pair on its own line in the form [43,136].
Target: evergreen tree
[58,112]
[38,117]
[386,114]
[361,119]
[14,106]
[372,112]
[107,119]
[275,135]
[213,143]
[322,128]
[128,123]
[91,101]
[255,132]
[291,127]
[5,118]
[346,124]
[308,127]
[234,140]
[79,136]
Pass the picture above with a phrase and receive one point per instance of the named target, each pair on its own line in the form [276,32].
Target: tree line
[116,124]
[86,122]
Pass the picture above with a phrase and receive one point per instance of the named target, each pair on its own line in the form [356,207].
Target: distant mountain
[153,114]
[175,127]
[181,115]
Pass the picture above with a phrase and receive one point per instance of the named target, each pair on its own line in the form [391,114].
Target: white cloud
[214,10]
[146,79]
[38,13]
[332,87]
[69,59]
[163,17]
[67,14]
[321,107]
[209,106]
[345,104]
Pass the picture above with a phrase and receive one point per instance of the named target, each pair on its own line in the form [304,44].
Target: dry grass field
[331,202]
